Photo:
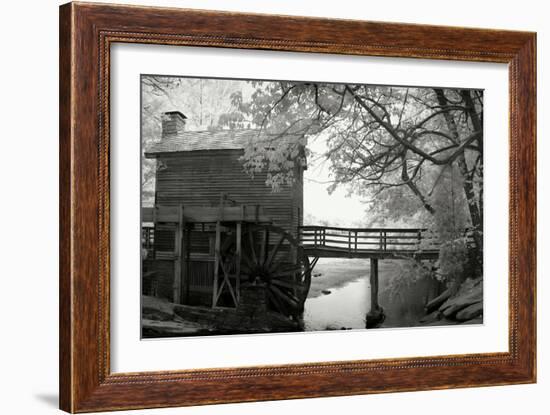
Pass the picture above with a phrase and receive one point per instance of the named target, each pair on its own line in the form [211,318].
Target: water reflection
[346,305]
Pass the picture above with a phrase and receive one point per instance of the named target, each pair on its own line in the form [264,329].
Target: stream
[340,297]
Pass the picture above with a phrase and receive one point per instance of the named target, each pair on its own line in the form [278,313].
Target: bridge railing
[370,239]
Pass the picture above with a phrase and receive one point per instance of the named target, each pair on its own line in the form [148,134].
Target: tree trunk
[468,186]
[477,124]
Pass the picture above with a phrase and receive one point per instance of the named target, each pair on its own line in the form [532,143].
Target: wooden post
[265,246]
[178,257]
[223,196]
[217,246]
[376,314]
[155,230]
[238,262]
[186,264]
[374,284]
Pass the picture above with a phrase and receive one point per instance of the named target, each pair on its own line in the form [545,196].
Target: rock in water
[470,293]
[432,317]
[470,312]
[438,301]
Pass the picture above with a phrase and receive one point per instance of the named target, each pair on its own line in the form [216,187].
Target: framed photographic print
[261,207]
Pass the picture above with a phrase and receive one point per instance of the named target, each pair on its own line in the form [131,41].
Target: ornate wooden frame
[86,33]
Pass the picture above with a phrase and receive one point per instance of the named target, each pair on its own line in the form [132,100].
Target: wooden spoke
[287,298]
[288,284]
[275,301]
[295,287]
[288,272]
[251,246]
[283,267]
[264,246]
[275,250]
[291,296]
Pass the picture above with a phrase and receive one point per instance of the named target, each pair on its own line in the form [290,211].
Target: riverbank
[463,307]
[161,318]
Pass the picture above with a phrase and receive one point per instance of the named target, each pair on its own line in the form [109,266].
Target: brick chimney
[173,123]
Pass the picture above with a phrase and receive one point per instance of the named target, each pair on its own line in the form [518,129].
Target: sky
[338,207]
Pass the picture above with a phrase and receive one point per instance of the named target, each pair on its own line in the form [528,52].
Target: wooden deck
[379,243]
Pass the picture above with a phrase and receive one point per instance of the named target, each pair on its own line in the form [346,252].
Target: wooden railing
[354,240]
[147,237]
[349,240]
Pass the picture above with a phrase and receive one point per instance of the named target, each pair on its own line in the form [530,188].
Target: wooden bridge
[378,243]
[373,243]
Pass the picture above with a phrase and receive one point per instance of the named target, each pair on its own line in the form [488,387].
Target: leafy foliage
[402,149]
[409,273]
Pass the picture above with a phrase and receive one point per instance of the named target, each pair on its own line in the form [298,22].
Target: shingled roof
[204,140]
[208,140]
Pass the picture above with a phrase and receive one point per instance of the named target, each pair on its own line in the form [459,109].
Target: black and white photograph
[273,206]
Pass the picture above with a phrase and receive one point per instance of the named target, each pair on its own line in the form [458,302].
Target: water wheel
[273,257]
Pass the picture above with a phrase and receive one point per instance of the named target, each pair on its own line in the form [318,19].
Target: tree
[203,101]
[383,141]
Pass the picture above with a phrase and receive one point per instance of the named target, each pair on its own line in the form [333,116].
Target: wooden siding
[198,178]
